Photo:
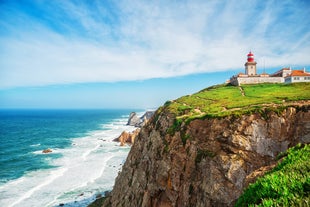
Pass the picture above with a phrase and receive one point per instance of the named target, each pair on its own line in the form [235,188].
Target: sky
[138,54]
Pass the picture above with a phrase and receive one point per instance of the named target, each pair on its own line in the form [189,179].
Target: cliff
[193,154]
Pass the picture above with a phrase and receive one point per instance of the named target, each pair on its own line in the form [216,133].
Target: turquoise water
[80,140]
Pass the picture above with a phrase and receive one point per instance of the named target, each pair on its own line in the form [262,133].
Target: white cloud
[140,40]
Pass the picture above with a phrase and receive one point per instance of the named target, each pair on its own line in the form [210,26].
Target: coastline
[94,160]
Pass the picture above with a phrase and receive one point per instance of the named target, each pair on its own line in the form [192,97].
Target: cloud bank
[64,42]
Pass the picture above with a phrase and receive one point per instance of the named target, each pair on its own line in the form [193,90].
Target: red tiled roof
[240,74]
[299,73]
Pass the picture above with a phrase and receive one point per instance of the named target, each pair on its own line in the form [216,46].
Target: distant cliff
[136,121]
[204,149]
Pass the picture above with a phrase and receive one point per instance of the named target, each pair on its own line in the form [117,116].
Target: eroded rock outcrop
[135,120]
[127,137]
[205,162]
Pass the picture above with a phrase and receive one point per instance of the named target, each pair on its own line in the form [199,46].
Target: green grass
[288,184]
[224,100]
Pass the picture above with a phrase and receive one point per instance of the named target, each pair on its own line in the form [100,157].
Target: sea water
[83,163]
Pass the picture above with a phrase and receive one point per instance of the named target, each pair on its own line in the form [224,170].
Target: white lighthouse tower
[250,65]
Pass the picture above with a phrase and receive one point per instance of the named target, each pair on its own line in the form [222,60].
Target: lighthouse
[250,65]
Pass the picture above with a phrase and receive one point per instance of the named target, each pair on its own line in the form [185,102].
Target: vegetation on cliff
[224,100]
[288,184]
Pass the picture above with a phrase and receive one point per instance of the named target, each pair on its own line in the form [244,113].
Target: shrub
[175,127]
[288,184]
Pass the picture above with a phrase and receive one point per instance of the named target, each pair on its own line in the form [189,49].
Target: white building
[297,76]
[285,75]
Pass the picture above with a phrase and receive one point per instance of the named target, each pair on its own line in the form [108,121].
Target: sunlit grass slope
[223,100]
[288,184]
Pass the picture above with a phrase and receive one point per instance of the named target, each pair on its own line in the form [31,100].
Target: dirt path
[242,91]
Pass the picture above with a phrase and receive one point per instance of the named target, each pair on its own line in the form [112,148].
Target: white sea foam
[35,145]
[54,175]
[88,167]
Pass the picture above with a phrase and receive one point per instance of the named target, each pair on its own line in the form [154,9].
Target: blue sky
[138,54]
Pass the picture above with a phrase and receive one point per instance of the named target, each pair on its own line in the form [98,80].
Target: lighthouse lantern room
[250,65]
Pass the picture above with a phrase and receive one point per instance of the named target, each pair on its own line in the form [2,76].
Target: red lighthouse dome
[250,57]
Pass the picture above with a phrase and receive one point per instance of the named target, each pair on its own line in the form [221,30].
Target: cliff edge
[204,149]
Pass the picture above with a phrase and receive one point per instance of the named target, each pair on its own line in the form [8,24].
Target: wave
[49,179]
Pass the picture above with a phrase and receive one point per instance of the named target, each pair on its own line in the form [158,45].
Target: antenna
[264,66]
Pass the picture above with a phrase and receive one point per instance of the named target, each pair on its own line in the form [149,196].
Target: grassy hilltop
[223,100]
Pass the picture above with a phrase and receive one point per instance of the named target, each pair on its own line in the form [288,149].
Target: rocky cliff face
[205,162]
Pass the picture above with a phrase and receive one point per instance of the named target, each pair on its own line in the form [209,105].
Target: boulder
[48,150]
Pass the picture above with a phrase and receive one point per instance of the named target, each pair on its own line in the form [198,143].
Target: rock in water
[127,137]
[47,151]
[123,138]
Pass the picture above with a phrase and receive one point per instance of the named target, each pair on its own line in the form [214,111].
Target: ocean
[83,164]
